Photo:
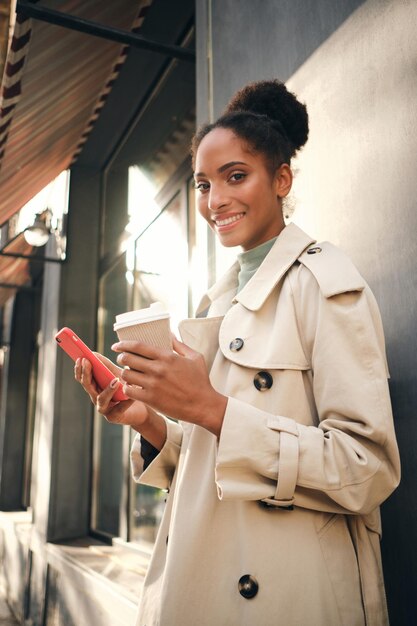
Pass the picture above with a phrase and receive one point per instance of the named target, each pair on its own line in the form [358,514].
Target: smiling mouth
[226,221]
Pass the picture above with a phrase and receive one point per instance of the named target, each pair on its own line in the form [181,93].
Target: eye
[201,186]
[237,177]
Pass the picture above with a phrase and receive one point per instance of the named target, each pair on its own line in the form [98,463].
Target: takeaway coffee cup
[149,325]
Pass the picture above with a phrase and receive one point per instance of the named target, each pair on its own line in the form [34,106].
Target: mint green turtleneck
[250,260]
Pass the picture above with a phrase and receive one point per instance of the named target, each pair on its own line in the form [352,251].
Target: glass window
[31,412]
[198,236]
[115,297]
[146,512]
[154,267]
[19,329]
[225,257]
[160,274]
[144,258]
[161,268]
[115,211]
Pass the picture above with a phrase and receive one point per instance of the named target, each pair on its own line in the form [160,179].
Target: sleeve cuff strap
[283,424]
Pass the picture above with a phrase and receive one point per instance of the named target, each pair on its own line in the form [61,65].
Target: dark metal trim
[20,287]
[101,535]
[147,100]
[99,30]
[32,257]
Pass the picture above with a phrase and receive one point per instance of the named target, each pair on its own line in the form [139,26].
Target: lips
[227,220]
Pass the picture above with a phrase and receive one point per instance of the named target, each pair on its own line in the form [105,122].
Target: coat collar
[290,244]
[224,289]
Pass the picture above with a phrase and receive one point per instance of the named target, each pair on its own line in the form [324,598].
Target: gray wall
[353,63]
[357,187]
[238,42]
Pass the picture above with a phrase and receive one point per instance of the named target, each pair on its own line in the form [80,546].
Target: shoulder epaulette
[332,268]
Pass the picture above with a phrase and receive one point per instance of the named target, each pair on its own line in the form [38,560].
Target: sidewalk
[6,616]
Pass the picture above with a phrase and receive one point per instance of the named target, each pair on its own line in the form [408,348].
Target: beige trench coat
[278,521]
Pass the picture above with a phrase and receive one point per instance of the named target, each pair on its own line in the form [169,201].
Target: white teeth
[229,220]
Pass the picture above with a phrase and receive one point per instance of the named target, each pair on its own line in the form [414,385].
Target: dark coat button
[263,381]
[236,344]
[248,586]
[314,250]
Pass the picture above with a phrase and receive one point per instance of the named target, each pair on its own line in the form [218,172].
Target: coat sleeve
[160,470]
[349,462]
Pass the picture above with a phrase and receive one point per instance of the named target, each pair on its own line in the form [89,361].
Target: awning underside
[54,85]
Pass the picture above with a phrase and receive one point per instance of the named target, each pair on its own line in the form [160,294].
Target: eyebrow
[223,168]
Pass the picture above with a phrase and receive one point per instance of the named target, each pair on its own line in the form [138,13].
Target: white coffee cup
[150,325]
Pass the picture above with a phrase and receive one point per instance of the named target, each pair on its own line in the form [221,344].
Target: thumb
[112,367]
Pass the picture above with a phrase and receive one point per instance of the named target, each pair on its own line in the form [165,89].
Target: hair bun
[271,98]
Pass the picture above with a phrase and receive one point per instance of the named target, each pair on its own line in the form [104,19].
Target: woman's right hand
[130,412]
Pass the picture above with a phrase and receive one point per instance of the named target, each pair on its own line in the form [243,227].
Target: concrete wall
[357,187]
[238,42]
[353,63]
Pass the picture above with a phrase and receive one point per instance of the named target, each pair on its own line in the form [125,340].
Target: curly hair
[268,117]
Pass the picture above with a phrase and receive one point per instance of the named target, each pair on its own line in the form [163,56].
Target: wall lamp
[36,235]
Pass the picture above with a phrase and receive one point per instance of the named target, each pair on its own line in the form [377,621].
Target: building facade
[76,532]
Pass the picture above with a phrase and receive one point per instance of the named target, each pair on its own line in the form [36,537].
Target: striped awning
[55,83]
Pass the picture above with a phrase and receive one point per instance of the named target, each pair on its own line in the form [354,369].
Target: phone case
[76,348]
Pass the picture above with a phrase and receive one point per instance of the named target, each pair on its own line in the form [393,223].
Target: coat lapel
[289,245]
[202,333]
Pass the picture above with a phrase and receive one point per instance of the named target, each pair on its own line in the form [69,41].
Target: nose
[217,199]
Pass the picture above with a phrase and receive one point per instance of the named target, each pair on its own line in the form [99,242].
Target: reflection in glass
[145,217]
[225,257]
[148,508]
[142,206]
[108,438]
[198,243]
[161,272]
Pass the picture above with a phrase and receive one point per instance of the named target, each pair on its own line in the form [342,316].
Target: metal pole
[9,242]
[32,257]
[98,30]
[16,286]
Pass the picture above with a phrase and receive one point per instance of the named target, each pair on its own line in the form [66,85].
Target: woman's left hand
[175,383]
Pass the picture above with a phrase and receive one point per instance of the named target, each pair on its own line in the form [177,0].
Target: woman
[285,447]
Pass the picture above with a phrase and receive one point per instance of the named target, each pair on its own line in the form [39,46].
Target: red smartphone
[76,348]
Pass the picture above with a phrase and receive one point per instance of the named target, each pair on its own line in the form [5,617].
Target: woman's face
[237,194]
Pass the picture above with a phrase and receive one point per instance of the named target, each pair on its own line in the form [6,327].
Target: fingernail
[114,383]
[115,346]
